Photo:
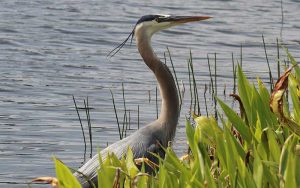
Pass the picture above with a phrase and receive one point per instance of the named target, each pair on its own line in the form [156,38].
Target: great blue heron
[161,131]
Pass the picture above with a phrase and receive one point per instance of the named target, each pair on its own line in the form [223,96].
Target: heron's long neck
[170,103]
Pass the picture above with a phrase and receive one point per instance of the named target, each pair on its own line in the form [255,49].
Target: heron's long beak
[183,19]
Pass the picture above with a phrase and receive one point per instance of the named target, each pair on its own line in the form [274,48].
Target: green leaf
[293,86]
[131,168]
[207,129]
[258,170]
[107,172]
[273,145]
[294,62]
[288,162]
[65,177]
[245,93]
[237,122]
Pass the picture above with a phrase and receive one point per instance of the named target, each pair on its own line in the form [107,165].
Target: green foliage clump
[252,148]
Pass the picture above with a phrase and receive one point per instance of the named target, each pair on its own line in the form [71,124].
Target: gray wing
[141,142]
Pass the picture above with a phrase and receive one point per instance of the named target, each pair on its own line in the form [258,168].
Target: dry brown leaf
[48,180]
[242,109]
[139,161]
[276,102]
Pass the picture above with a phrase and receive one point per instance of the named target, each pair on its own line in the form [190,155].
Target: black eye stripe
[158,18]
[148,18]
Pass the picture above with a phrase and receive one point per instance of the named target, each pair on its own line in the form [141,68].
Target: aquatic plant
[257,147]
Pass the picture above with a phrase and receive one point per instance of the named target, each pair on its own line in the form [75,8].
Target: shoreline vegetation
[257,146]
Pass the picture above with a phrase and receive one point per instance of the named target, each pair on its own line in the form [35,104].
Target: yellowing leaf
[65,177]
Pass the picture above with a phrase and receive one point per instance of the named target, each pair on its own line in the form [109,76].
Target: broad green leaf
[257,170]
[273,145]
[190,132]
[65,177]
[207,129]
[131,168]
[108,171]
[221,151]
[265,99]
[294,91]
[288,159]
[245,93]
[294,62]
[237,122]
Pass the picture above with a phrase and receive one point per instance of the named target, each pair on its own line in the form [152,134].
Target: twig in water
[124,129]
[129,119]
[282,19]
[149,95]
[234,74]
[241,56]
[216,115]
[116,114]
[182,90]
[83,135]
[190,82]
[165,58]
[195,90]
[125,112]
[278,58]
[205,90]
[138,116]
[87,111]
[270,73]
[210,75]
[177,84]
[156,102]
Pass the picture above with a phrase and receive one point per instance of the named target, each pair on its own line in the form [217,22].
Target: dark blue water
[51,50]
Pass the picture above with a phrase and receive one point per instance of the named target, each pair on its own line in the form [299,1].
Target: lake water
[51,50]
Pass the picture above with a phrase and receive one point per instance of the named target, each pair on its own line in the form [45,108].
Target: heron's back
[140,143]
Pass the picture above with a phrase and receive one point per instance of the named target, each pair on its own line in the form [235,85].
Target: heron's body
[161,131]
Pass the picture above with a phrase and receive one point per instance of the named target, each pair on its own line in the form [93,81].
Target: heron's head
[154,23]
[147,25]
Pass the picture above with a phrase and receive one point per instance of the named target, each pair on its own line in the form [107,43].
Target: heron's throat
[168,90]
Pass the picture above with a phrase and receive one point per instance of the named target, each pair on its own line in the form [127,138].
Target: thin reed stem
[87,111]
[176,79]
[156,101]
[129,120]
[270,73]
[282,19]
[116,114]
[205,102]
[83,135]
[210,75]
[233,74]
[125,125]
[138,116]
[278,58]
[125,112]
[190,83]
[216,91]
[241,56]
[149,96]
[195,90]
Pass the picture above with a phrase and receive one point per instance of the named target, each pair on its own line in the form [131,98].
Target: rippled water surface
[51,50]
